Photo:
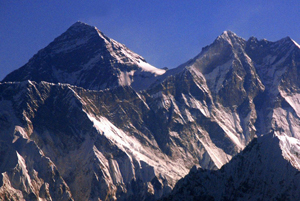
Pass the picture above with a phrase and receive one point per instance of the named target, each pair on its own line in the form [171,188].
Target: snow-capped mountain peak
[231,38]
[227,34]
[80,26]
[84,56]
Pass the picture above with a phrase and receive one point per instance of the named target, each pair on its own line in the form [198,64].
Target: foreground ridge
[259,172]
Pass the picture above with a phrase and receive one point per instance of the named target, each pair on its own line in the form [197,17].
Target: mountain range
[88,119]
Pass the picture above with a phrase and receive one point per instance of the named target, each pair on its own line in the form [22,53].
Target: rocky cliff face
[70,140]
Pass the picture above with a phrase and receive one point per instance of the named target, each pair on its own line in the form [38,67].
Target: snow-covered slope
[85,57]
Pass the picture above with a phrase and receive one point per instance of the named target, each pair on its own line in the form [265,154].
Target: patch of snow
[201,80]
[218,156]
[290,147]
[122,52]
[225,36]
[278,63]
[142,99]
[134,148]
[24,176]
[285,122]
[8,187]
[192,102]
[149,68]
[157,95]
[269,59]
[69,45]
[126,78]
[229,121]
[7,111]
[215,79]
[189,115]
[165,101]
[293,99]
[20,130]
[65,77]
[115,171]
[101,159]
[296,43]
[92,62]
[249,60]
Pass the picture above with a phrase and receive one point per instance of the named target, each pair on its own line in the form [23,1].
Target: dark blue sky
[164,32]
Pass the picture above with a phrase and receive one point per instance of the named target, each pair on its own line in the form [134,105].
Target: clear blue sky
[164,32]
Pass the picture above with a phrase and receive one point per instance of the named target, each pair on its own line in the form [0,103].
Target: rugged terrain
[86,119]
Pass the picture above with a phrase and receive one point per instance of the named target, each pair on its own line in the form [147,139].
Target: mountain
[90,112]
[259,81]
[262,171]
[83,56]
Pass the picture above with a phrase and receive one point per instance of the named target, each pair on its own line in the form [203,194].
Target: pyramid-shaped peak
[288,42]
[85,57]
[80,34]
[287,38]
[231,38]
[81,27]
[80,24]
[228,35]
